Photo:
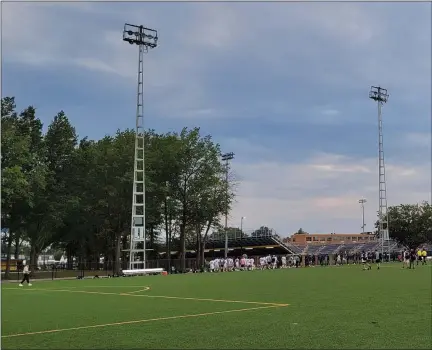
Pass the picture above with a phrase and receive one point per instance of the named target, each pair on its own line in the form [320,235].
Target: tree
[197,169]
[300,232]
[410,224]
[263,231]
[77,198]
[15,158]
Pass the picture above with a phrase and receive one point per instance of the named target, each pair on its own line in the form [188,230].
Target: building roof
[333,234]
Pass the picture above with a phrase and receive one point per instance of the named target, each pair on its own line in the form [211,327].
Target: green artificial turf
[328,308]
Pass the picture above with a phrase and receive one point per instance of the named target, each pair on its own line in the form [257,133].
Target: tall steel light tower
[146,39]
[380,95]
[362,202]
[226,158]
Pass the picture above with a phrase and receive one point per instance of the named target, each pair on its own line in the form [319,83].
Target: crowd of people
[245,263]
[410,258]
[413,257]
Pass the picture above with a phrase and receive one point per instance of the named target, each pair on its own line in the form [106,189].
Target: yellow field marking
[215,300]
[112,287]
[138,321]
[162,297]
[141,290]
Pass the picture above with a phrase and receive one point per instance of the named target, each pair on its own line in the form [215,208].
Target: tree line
[76,194]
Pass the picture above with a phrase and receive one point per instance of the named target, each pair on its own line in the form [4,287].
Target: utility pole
[145,38]
[241,234]
[362,202]
[380,95]
[226,158]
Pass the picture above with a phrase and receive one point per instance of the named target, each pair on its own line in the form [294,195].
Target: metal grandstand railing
[292,249]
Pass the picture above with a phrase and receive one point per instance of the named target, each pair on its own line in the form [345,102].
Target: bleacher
[321,249]
[255,244]
[268,242]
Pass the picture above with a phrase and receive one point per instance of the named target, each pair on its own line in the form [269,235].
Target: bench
[137,272]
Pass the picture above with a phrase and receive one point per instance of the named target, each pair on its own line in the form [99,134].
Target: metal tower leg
[380,95]
[383,215]
[138,235]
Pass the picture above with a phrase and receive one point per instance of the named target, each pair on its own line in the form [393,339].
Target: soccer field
[330,307]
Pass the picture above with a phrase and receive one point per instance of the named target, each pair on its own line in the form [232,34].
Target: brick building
[331,238]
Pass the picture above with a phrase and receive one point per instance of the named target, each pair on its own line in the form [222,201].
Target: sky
[282,85]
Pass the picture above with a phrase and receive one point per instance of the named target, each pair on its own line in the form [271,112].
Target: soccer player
[364,258]
[419,255]
[424,256]
[26,276]
[413,256]
[274,262]
[284,262]
[378,258]
[406,258]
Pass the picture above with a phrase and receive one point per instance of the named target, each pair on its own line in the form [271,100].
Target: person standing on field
[424,256]
[26,276]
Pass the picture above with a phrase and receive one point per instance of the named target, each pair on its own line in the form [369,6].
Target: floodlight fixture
[140,35]
[378,94]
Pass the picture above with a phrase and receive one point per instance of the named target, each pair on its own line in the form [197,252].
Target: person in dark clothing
[26,276]
[412,258]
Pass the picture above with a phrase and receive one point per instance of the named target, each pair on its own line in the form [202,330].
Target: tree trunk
[69,263]
[34,254]
[203,253]
[117,255]
[17,246]
[182,247]
[8,255]
[203,242]
[198,248]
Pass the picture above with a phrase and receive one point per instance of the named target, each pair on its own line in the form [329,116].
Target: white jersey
[262,261]
[212,265]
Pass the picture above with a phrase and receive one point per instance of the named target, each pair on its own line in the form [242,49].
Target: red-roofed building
[331,238]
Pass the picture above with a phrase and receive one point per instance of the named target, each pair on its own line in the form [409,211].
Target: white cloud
[281,36]
[322,192]
[338,45]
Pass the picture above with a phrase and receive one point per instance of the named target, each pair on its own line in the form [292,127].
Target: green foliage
[411,224]
[77,196]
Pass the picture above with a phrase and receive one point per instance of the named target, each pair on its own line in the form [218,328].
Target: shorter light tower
[241,234]
[362,202]
[380,95]
[226,158]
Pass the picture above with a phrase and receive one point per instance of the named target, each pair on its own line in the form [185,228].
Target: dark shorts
[377,261]
[242,265]
[420,258]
